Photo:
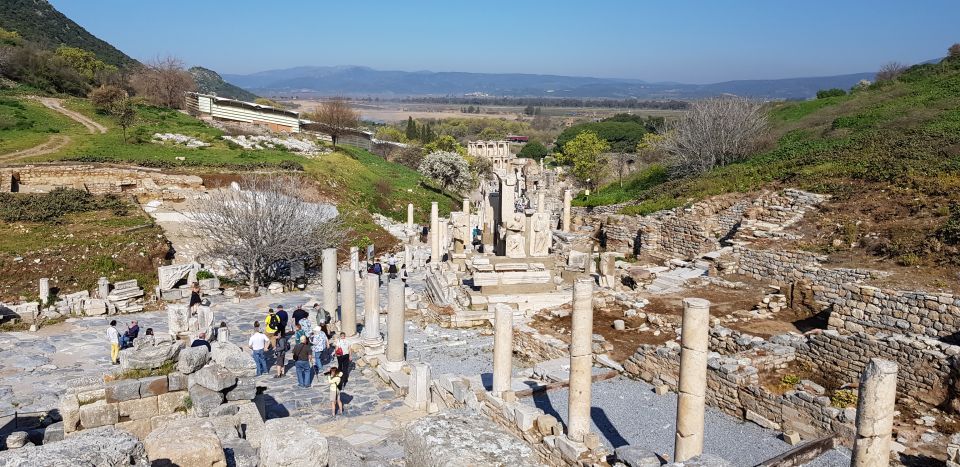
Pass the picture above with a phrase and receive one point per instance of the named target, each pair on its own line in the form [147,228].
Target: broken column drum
[567,200]
[434,233]
[581,359]
[103,288]
[330,282]
[502,349]
[694,342]
[395,322]
[44,290]
[875,410]
[348,302]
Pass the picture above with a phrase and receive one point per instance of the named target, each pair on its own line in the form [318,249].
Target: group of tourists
[391,269]
[311,347]
[119,341]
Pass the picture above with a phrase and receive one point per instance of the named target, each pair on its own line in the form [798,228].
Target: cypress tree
[412,132]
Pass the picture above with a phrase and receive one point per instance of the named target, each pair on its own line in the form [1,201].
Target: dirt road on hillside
[56,142]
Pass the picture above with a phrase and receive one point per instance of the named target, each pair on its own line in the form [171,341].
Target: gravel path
[627,412]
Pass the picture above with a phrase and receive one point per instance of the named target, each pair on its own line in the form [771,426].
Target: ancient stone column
[567,199]
[44,291]
[103,288]
[466,208]
[581,359]
[329,278]
[410,215]
[444,241]
[694,340]
[348,302]
[371,313]
[434,233]
[395,325]
[502,348]
[355,260]
[408,258]
[541,201]
[875,407]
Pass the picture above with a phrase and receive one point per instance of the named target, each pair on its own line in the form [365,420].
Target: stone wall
[927,363]
[95,178]
[863,308]
[734,387]
[537,347]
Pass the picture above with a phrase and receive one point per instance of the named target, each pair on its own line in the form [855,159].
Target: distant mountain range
[364,81]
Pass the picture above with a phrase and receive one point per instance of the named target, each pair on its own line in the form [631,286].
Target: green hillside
[210,82]
[890,152]
[39,22]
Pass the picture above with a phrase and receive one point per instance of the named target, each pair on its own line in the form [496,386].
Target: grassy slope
[25,123]
[904,135]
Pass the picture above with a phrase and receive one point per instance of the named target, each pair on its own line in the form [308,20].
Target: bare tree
[954,51]
[336,117]
[714,132]
[163,82]
[256,229]
[890,71]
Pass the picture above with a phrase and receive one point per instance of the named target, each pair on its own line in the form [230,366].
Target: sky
[689,41]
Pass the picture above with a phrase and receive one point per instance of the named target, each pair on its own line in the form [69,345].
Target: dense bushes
[835,92]
[51,207]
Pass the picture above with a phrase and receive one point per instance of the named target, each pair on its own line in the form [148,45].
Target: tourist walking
[272,325]
[378,270]
[299,314]
[280,352]
[258,343]
[403,274]
[284,318]
[113,337]
[301,358]
[322,316]
[342,352]
[319,342]
[335,381]
[195,298]
[392,266]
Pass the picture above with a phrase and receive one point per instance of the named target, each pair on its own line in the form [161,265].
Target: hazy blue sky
[675,40]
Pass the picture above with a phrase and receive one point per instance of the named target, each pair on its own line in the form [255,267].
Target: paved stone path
[627,412]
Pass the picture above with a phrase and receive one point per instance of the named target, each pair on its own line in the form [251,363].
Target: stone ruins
[527,332]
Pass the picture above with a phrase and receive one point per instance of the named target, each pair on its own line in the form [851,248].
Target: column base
[392,366]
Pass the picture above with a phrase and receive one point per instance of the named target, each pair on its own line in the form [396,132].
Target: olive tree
[714,132]
[448,169]
[255,229]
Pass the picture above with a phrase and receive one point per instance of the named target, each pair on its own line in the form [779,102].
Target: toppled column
[348,302]
[395,325]
[410,216]
[371,315]
[875,407]
[567,199]
[434,233]
[581,359]
[502,348]
[44,290]
[103,288]
[329,279]
[694,342]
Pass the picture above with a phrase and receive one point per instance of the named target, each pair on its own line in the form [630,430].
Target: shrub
[843,398]
[949,233]
[50,207]
[204,274]
[835,92]
[790,380]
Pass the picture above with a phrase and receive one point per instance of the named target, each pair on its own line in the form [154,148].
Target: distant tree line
[534,102]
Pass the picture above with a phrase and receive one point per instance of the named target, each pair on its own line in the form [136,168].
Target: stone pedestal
[434,233]
[395,325]
[567,200]
[329,278]
[875,409]
[581,359]
[694,341]
[348,302]
[103,288]
[44,290]
[372,340]
[418,392]
[502,349]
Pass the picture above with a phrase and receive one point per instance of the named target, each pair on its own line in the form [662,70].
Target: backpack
[274,322]
[377,269]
